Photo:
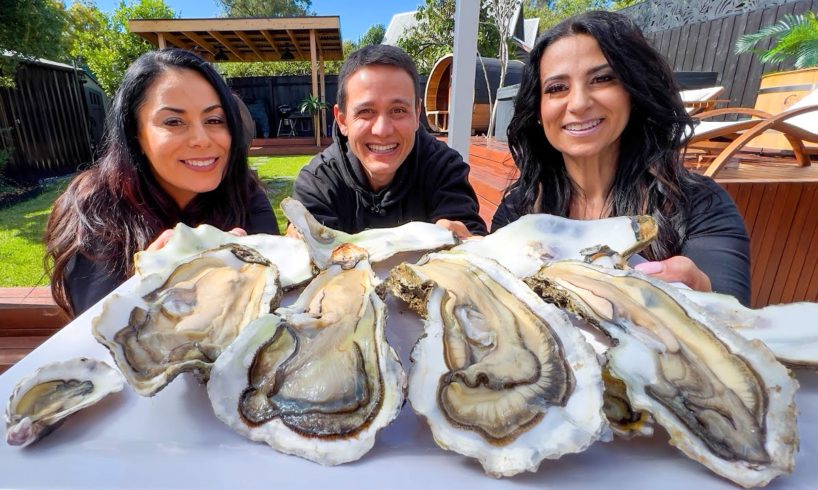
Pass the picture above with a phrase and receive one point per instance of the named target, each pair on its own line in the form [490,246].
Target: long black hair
[650,177]
[117,207]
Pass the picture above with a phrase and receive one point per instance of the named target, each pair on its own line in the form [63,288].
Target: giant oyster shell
[379,243]
[725,401]
[182,318]
[41,401]
[499,375]
[319,379]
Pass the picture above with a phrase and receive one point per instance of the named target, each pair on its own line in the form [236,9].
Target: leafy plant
[797,40]
[312,104]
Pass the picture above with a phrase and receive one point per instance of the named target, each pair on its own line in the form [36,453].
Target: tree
[374,35]
[553,12]
[501,11]
[265,8]
[433,36]
[30,29]
[104,43]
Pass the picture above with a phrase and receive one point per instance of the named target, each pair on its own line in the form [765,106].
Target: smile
[583,127]
[200,164]
[381,148]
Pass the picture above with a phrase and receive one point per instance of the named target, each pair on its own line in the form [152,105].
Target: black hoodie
[431,184]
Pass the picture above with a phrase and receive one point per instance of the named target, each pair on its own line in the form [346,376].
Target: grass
[22,226]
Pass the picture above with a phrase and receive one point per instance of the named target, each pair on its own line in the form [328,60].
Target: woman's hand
[456,227]
[677,269]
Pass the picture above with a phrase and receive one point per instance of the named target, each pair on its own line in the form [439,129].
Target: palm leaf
[798,35]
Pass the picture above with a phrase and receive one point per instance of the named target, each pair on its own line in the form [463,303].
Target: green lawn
[22,226]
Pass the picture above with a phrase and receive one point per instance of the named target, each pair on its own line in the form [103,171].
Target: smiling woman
[169,157]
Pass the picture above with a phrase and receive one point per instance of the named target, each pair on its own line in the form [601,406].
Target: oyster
[41,402]
[379,243]
[788,330]
[318,379]
[528,243]
[289,255]
[182,318]
[499,375]
[725,401]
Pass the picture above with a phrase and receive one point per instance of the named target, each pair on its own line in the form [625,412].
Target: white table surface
[173,440]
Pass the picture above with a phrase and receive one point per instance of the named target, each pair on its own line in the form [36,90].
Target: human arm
[260,215]
[507,211]
[314,194]
[87,281]
[453,203]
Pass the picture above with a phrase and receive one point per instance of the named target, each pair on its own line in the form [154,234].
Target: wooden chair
[798,124]
[703,99]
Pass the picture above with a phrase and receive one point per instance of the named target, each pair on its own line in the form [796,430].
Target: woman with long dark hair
[173,153]
[598,130]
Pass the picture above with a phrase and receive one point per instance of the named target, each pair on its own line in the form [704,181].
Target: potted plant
[312,104]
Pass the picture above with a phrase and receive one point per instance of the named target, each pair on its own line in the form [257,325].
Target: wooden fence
[44,122]
[710,46]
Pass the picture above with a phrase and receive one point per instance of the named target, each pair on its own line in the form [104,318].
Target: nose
[382,126]
[579,100]
[199,136]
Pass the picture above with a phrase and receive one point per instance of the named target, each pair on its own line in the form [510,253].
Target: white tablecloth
[173,440]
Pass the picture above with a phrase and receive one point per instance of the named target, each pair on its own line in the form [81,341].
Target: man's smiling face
[380,120]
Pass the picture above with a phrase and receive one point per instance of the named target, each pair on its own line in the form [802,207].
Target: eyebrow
[182,111]
[590,71]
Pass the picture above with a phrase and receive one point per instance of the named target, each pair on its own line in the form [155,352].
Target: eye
[604,78]
[364,113]
[173,121]
[555,88]
[215,120]
[400,110]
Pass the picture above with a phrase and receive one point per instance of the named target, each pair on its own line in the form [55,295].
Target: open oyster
[41,401]
[182,318]
[319,379]
[289,255]
[528,243]
[725,401]
[499,375]
[379,243]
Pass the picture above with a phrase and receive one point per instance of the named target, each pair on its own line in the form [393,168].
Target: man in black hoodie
[383,169]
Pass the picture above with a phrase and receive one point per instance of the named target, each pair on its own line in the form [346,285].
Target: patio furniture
[285,122]
[701,99]
[799,124]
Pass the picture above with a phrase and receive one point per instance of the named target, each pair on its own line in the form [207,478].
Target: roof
[247,39]
[399,24]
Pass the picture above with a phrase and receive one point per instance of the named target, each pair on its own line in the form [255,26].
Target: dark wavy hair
[650,177]
[117,208]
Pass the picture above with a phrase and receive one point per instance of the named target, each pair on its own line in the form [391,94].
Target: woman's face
[583,107]
[183,132]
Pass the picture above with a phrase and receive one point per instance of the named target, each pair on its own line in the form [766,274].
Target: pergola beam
[270,40]
[201,42]
[295,42]
[227,44]
[221,25]
[249,42]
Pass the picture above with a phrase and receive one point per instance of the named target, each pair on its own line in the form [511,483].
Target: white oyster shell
[181,318]
[725,401]
[289,255]
[319,380]
[530,242]
[379,243]
[484,401]
[41,401]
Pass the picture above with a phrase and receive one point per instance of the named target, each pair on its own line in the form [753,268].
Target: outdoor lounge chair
[702,99]
[798,124]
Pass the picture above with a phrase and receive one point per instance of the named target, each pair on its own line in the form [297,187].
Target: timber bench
[28,317]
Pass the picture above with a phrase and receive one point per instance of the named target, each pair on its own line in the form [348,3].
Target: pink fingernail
[650,267]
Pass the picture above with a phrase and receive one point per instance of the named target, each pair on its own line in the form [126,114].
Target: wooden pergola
[313,39]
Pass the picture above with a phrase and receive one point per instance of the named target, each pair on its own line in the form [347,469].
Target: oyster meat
[499,375]
[318,379]
[289,255]
[725,401]
[182,318]
[41,401]
[535,239]
[379,243]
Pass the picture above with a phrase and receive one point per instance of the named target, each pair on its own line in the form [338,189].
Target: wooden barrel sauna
[776,93]
[439,84]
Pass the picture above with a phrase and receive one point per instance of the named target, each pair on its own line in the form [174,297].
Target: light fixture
[220,55]
[287,54]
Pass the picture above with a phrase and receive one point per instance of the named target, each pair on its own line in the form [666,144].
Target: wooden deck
[28,317]
[287,146]
[778,200]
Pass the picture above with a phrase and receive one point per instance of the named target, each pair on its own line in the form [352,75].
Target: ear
[418,108]
[340,118]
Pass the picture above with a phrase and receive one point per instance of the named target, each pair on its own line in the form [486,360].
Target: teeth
[583,126]
[382,147]
[200,163]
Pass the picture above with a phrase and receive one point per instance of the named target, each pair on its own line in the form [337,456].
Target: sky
[357,16]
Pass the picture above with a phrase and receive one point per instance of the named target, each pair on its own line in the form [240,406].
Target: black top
[716,239]
[431,184]
[89,281]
